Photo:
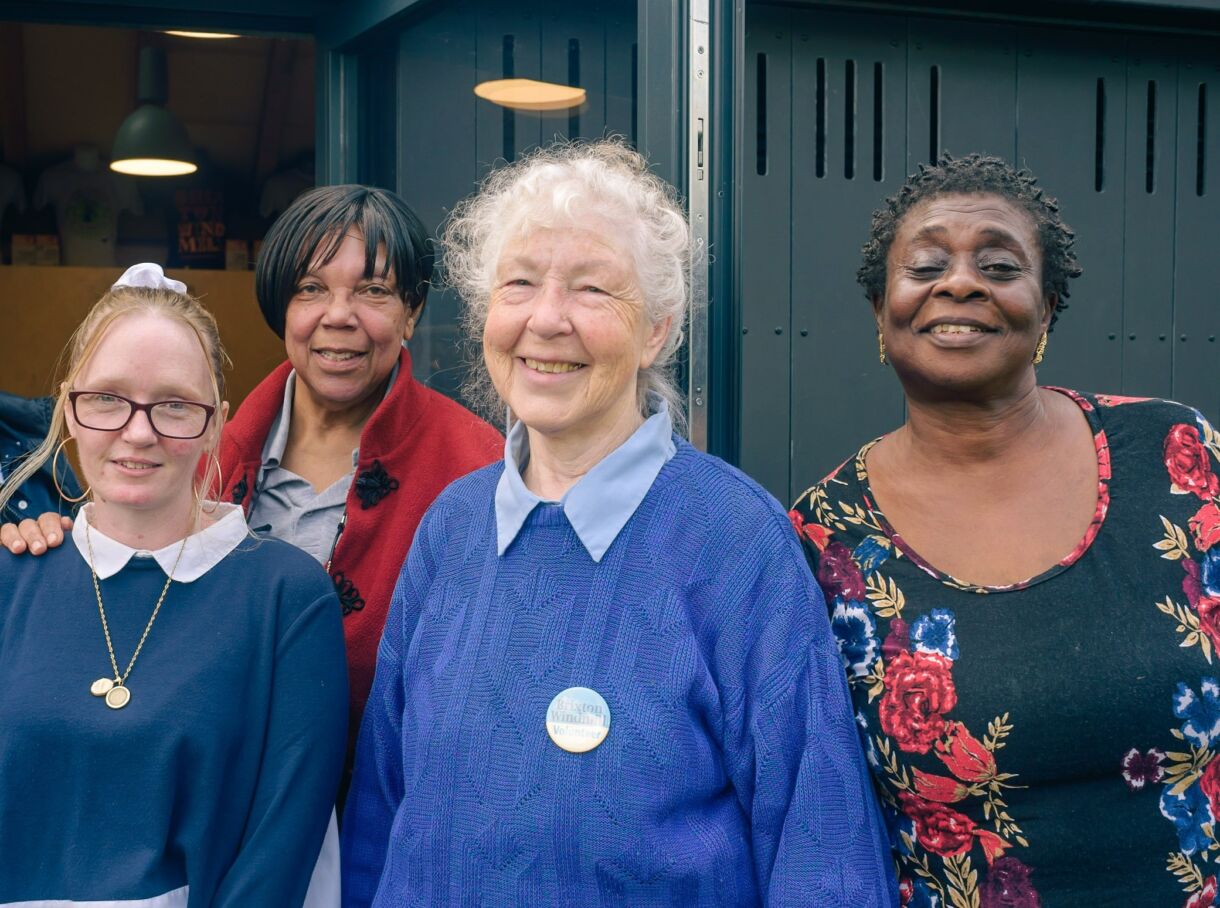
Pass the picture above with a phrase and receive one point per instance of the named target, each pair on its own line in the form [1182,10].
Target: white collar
[204,550]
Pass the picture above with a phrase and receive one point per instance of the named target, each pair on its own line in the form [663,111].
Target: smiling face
[566,335]
[964,306]
[138,478]
[343,331]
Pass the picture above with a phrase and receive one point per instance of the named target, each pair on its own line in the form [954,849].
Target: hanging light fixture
[205,35]
[152,142]
[530,94]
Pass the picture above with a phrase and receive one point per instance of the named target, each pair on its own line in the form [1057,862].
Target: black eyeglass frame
[147,408]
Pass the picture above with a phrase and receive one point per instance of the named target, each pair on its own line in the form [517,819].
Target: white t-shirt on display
[87,205]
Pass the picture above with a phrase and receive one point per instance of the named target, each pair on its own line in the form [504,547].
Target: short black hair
[312,229]
[975,174]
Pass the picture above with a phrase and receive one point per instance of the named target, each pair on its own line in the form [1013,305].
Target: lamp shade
[530,94]
[152,142]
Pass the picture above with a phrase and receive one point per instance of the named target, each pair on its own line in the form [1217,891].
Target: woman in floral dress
[1024,581]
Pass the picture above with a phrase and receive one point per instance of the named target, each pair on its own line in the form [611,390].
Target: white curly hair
[575,184]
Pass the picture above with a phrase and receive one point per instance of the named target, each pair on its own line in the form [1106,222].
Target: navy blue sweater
[221,772]
[732,771]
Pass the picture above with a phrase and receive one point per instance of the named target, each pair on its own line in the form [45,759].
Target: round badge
[578,719]
[117,697]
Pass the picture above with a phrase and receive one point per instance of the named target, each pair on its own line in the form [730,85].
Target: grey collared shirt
[286,505]
[601,503]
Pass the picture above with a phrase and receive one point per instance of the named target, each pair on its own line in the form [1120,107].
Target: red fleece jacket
[416,442]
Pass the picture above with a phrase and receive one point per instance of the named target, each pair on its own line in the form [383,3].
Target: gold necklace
[115,691]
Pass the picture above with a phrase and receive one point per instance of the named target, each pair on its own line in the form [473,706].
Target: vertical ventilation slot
[635,95]
[819,114]
[574,80]
[761,116]
[1150,143]
[508,65]
[934,115]
[1201,146]
[1099,140]
[878,122]
[849,120]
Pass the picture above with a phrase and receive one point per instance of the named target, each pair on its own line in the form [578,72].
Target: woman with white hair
[607,676]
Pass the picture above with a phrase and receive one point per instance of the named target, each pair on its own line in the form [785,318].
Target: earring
[55,476]
[1041,349]
[881,348]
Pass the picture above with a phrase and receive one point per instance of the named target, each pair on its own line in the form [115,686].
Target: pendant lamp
[152,142]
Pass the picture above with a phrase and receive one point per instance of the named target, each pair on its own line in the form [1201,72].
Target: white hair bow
[148,274]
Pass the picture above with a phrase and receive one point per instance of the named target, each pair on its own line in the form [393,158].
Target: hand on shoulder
[35,537]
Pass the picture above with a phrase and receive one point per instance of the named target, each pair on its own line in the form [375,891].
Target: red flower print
[1208,608]
[1113,400]
[898,640]
[1206,527]
[1209,784]
[939,788]
[1192,583]
[993,845]
[1187,461]
[838,573]
[906,890]
[939,829]
[918,692]
[1142,769]
[1205,897]
[814,532]
[1008,886]
[965,755]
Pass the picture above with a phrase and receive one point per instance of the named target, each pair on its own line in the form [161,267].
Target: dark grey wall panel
[849,152]
[766,328]
[1148,253]
[509,45]
[436,64]
[1071,127]
[961,85]
[1196,330]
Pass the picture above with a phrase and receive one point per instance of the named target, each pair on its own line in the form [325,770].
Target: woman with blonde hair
[171,688]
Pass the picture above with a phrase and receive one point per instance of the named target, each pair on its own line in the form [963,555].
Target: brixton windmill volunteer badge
[578,720]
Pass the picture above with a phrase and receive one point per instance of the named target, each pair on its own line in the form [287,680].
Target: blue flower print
[872,553]
[1190,812]
[935,633]
[870,751]
[922,896]
[855,630]
[1209,572]
[1201,712]
[899,824]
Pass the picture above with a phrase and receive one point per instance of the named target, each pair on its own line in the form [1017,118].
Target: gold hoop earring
[55,476]
[881,348]
[1041,349]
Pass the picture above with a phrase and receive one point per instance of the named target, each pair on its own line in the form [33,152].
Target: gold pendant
[101,687]
[117,697]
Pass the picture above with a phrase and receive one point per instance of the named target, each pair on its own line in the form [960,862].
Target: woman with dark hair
[340,450]
[1024,581]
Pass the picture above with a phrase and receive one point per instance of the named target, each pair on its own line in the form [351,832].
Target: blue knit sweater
[731,774]
[216,781]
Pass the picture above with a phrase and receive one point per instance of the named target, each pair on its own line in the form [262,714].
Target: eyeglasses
[107,412]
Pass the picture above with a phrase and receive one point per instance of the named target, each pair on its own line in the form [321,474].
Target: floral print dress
[1052,742]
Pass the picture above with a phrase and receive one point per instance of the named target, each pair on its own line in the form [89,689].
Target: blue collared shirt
[603,500]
